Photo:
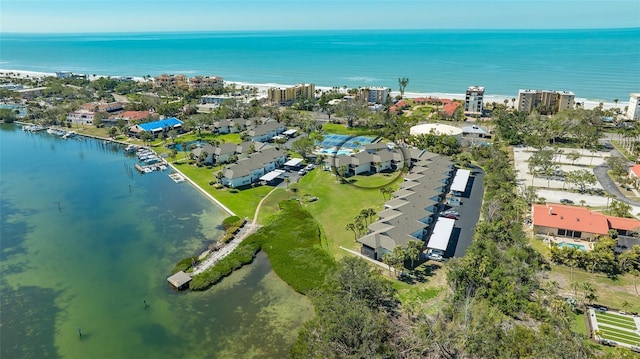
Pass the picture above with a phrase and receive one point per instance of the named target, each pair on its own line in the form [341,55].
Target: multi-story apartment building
[633,110]
[287,95]
[206,83]
[547,102]
[171,81]
[473,100]
[374,94]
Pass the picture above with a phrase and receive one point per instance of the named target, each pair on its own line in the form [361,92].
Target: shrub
[231,222]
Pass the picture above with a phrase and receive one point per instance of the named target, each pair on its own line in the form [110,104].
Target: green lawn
[374,181]
[340,129]
[242,202]
[610,292]
[579,324]
[337,205]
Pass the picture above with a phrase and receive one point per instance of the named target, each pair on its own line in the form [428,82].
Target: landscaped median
[291,239]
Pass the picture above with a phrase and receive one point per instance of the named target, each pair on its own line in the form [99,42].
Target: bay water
[85,241]
[596,64]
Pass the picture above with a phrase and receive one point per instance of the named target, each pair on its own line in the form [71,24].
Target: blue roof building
[154,127]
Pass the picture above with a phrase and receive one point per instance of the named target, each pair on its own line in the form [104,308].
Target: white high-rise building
[633,110]
[473,100]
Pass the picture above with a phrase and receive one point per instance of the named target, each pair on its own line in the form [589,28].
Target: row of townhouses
[227,151]
[413,211]
[249,170]
[374,158]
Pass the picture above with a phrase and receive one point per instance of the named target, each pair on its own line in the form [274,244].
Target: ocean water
[83,242]
[594,64]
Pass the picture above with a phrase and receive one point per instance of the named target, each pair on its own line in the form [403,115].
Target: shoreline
[588,103]
[197,187]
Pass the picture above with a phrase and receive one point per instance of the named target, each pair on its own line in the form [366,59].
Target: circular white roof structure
[437,128]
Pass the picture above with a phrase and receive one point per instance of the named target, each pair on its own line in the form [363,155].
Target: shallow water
[85,240]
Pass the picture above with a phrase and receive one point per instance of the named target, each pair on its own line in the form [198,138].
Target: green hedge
[233,221]
[291,239]
[244,254]
[184,264]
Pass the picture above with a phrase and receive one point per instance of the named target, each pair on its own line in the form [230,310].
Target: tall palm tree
[352,227]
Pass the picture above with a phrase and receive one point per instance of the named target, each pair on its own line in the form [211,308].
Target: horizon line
[311,30]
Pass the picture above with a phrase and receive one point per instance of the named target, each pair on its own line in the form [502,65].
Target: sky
[56,16]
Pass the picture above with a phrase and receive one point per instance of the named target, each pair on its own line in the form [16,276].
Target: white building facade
[633,110]
[473,100]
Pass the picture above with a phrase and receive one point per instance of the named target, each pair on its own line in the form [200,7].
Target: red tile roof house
[634,175]
[577,222]
[449,108]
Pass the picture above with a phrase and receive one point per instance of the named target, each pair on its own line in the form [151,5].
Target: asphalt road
[609,186]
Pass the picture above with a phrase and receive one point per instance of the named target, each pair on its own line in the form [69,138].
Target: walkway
[245,232]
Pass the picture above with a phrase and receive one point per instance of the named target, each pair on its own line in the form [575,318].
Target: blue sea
[84,241]
[594,64]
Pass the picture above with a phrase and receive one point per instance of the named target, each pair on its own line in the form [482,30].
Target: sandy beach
[263,87]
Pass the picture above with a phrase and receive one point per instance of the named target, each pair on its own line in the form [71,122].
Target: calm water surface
[92,261]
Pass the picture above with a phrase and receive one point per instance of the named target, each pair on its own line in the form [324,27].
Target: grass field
[611,292]
[340,129]
[337,205]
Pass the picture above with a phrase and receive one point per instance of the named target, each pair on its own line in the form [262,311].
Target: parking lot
[469,211]
[615,328]
[554,190]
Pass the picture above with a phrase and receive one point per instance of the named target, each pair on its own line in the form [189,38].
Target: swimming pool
[344,141]
[572,245]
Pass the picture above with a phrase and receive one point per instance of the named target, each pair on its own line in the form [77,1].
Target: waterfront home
[102,106]
[265,132]
[224,152]
[156,128]
[208,149]
[413,210]
[249,170]
[81,117]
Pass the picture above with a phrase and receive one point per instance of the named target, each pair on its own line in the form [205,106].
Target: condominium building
[473,100]
[169,81]
[374,94]
[633,110]
[206,83]
[287,95]
[547,102]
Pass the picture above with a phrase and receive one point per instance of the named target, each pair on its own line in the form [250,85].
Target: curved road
[610,187]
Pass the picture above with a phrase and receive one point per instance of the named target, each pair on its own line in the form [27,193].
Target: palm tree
[413,251]
[513,103]
[402,84]
[352,227]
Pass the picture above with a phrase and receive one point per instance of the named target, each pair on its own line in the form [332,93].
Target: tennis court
[619,328]
[345,141]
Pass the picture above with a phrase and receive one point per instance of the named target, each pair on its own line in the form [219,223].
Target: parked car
[310,167]
[450,215]
[566,201]
[436,257]
[302,172]
[451,211]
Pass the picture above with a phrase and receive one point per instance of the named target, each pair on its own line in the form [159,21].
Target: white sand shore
[262,88]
